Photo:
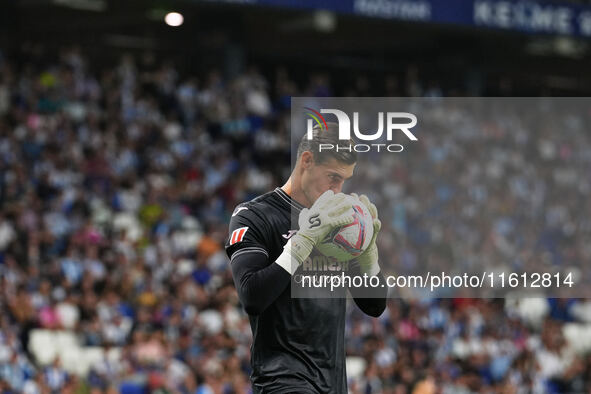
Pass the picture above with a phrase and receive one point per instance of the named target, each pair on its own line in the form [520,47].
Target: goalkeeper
[298,343]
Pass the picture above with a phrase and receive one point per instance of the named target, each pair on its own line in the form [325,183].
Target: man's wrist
[373,269]
[368,262]
[295,251]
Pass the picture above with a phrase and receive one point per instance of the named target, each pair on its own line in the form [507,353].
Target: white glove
[368,260]
[328,212]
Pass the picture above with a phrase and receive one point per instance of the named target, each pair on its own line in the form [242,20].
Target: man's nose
[337,188]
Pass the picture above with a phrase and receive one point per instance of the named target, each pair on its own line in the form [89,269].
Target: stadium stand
[113,277]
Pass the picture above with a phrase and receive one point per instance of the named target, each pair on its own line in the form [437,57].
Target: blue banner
[536,17]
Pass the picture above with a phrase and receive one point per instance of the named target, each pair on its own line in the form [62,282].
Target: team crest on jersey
[238,235]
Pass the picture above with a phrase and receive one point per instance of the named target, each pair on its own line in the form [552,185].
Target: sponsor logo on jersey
[289,234]
[238,235]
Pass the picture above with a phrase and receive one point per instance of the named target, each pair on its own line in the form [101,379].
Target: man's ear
[307,160]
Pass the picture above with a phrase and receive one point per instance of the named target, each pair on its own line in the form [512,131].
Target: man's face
[318,178]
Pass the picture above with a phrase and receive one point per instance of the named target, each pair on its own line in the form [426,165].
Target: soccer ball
[349,241]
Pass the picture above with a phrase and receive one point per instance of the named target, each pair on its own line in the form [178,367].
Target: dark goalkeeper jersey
[298,343]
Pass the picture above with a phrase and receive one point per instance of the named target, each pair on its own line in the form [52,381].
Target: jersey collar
[285,197]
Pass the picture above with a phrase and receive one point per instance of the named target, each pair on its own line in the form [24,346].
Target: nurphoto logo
[394,122]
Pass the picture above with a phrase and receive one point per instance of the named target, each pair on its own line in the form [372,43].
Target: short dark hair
[343,150]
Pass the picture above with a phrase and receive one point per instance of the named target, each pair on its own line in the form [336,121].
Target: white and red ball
[349,241]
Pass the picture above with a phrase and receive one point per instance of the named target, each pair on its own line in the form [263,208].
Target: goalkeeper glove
[329,211]
[368,261]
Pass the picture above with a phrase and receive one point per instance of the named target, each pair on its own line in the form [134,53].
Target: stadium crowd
[116,187]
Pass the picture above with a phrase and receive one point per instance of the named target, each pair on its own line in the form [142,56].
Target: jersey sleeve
[246,233]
